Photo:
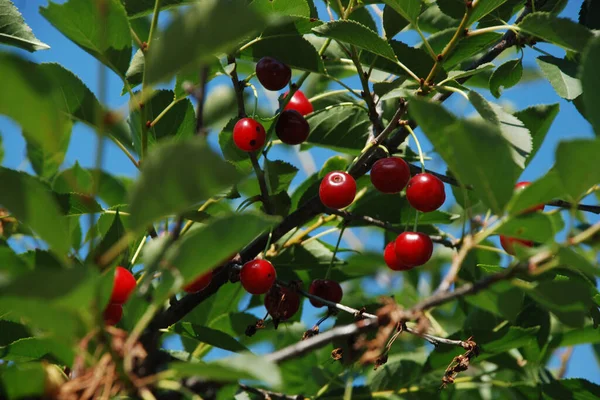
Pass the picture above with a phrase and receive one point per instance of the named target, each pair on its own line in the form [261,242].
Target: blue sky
[568,124]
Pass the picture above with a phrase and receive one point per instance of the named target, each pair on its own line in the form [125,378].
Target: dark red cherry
[272,74]
[337,189]
[113,314]
[522,185]
[425,192]
[291,127]
[325,289]
[124,284]
[413,248]
[199,283]
[249,134]
[508,243]
[390,175]
[299,102]
[391,259]
[257,276]
[282,303]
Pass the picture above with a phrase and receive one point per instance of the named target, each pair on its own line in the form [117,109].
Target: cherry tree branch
[348,216]
[267,394]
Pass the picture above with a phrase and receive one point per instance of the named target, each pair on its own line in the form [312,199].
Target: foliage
[198,204]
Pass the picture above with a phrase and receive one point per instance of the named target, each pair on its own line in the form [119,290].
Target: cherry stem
[421,158]
[337,245]
[255,99]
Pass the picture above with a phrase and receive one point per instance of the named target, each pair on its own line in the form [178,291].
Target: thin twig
[200,94]
[565,357]
[457,261]
[267,394]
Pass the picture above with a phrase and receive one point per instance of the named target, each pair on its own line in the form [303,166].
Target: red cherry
[113,314]
[522,185]
[425,192]
[200,283]
[272,74]
[299,102]
[389,255]
[291,127]
[257,276]
[282,303]
[249,134]
[337,189]
[325,289]
[390,175]
[124,284]
[508,243]
[413,248]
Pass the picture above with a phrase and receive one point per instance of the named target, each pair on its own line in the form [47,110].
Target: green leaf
[409,9]
[473,150]
[591,83]
[14,31]
[576,389]
[139,8]
[46,162]
[575,337]
[112,236]
[589,14]
[334,163]
[280,175]
[536,227]
[76,100]
[434,20]
[512,129]
[112,190]
[298,8]
[482,8]
[25,84]
[575,260]
[562,75]
[33,203]
[204,30]
[295,51]
[416,59]
[537,119]
[573,303]
[206,247]
[515,337]
[576,165]
[174,177]
[178,123]
[393,22]
[84,23]
[507,75]
[457,74]
[74,204]
[74,179]
[355,34]
[30,349]
[467,47]
[560,31]
[501,299]
[453,8]
[209,336]
[231,369]
[340,128]
[541,191]
[23,380]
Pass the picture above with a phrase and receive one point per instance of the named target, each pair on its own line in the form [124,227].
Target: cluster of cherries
[291,127]
[508,243]
[123,285]
[424,192]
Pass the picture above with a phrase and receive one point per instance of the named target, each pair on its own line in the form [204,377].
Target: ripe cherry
[325,289]
[249,134]
[425,192]
[113,314]
[299,102]
[337,189]
[413,248]
[391,259]
[257,276]
[291,127]
[508,243]
[124,284]
[199,283]
[282,303]
[390,175]
[522,185]
[272,74]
